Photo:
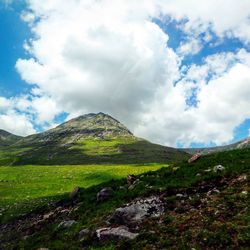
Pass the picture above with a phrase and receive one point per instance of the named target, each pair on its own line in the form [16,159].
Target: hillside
[203,205]
[7,139]
[238,145]
[88,139]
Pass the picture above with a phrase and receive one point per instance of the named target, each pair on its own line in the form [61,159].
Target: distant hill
[238,145]
[7,138]
[89,139]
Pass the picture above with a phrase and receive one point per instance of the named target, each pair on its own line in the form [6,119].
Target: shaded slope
[7,138]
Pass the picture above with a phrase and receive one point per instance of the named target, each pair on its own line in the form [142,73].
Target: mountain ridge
[89,139]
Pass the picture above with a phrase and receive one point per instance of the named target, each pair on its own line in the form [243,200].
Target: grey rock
[218,168]
[66,223]
[84,232]
[104,194]
[115,233]
[138,210]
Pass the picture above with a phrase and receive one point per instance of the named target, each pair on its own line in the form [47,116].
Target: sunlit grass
[22,183]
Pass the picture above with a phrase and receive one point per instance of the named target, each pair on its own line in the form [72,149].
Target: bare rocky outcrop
[138,210]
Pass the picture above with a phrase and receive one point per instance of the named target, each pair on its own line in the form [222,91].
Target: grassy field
[38,184]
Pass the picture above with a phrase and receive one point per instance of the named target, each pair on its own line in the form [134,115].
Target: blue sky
[198,52]
[13,34]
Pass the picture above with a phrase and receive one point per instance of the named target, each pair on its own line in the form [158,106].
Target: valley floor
[23,188]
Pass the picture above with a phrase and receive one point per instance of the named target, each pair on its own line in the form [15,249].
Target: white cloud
[91,56]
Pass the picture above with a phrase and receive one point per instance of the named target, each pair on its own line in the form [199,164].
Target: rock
[66,224]
[213,191]
[218,168]
[115,233]
[104,194]
[179,195]
[138,210]
[194,158]
[74,192]
[47,216]
[84,232]
[131,179]
[208,170]
[198,174]
[42,248]
[244,192]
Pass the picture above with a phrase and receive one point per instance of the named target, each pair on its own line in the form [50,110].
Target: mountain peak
[100,125]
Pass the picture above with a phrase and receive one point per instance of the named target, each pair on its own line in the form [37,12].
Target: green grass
[103,147]
[181,227]
[29,184]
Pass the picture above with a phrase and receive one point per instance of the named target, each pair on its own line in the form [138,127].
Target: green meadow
[20,185]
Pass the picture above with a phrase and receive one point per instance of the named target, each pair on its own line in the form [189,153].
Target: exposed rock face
[138,210]
[116,233]
[66,224]
[104,194]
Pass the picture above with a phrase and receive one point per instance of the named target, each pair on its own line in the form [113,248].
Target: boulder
[66,223]
[104,194]
[74,192]
[138,210]
[218,168]
[115,233]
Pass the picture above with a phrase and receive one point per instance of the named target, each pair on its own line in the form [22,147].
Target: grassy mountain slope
[6,138]
[203,210]
[89,139]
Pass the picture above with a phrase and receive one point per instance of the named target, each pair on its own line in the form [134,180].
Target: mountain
[90,139]
[7,138]
[238,145]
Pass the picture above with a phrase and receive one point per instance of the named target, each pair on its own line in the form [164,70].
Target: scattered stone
[116,233]
[213,191]
[74,192]
[84,232]
[47,216]
[179,195]
[131,179]
[134,184]
[218,168]
[66,224]
[242,178]
[194,158]
[104,194]
[138,210]
[208,170]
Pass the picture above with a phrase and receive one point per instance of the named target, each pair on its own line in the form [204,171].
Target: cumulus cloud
[91,56]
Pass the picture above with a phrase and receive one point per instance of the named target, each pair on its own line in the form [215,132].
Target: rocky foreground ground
[201,205]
